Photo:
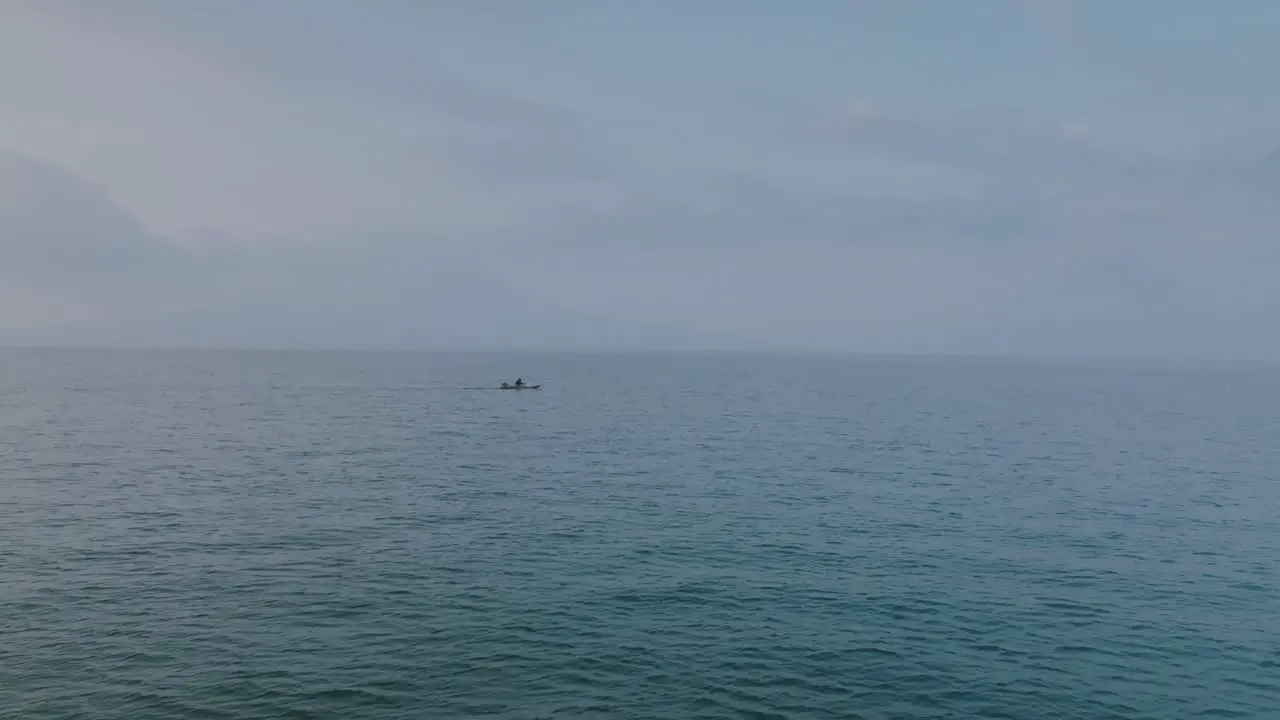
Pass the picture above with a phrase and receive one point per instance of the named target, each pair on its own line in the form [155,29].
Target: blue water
[308,535]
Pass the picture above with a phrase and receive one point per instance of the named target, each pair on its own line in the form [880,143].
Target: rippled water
[257,535]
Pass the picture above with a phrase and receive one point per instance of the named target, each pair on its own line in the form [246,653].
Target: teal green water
[257,535]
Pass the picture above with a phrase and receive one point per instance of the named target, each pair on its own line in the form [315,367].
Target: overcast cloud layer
[998,176]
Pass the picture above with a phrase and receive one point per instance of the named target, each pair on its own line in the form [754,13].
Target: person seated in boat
[519,382]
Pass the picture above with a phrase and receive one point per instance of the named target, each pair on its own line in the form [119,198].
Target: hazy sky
[1051,176]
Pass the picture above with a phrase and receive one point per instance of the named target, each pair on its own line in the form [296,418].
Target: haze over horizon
[1044,177]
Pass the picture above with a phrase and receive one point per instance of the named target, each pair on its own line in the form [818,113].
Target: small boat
[509,386]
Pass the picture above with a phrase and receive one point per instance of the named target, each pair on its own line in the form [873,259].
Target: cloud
[735,214]
[1079,248]
[1075,130]
[1065,163]
[987,142]
[1027,185]
[63,235]
[254,168]
[1269,168]
[509,157]
[201,119]
[64,242]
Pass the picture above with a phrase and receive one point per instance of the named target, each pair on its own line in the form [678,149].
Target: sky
[1061,177]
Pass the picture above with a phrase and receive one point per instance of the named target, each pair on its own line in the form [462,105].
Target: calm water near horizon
[190,534]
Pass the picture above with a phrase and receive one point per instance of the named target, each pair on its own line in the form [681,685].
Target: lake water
[310,535]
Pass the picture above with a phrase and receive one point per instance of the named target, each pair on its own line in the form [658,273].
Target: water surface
[309,535]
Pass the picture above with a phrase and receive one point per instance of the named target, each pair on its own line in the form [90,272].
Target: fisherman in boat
[519,382]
